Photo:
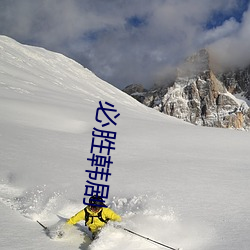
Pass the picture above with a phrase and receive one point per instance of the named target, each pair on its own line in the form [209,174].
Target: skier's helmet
[96,201]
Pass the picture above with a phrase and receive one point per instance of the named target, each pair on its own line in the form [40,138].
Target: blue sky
[131,41]
[218,17]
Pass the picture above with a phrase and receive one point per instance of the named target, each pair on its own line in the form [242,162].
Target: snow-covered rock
[199,97]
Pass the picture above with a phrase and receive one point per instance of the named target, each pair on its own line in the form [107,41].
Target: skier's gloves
[60,233]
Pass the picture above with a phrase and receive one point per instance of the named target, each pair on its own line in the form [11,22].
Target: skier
[96,215]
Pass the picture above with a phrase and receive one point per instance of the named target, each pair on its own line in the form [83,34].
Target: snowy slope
[179,184]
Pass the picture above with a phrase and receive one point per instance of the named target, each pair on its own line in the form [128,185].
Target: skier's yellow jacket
[94,223]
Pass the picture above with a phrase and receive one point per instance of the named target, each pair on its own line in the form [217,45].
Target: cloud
[233,49]
[121,41]
[228,28]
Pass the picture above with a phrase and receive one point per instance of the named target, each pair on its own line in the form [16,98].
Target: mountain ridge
[200,95]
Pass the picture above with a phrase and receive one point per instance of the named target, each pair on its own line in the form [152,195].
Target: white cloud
[233,50]
[228,28]
[97,32]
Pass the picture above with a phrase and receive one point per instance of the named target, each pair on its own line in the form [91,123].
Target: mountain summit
[202,97]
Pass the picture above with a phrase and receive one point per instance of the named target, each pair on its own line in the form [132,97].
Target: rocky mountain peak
[196,64]
[200,96]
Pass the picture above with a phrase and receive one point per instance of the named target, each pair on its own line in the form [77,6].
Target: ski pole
[45,228]
[150,239]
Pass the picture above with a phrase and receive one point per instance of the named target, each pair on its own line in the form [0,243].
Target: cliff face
[201,97]
[237,81]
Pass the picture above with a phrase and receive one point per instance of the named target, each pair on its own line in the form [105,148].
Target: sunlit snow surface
[181,185]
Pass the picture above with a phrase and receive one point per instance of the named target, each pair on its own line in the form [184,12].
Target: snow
[182,185]
[242,99]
